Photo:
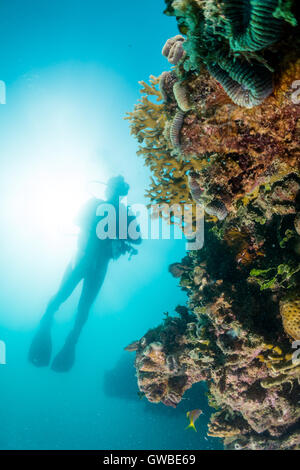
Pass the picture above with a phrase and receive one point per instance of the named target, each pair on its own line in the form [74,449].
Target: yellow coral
[149,124]
[290,313]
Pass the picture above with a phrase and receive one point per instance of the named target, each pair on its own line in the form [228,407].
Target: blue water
[95,406]
[71,70]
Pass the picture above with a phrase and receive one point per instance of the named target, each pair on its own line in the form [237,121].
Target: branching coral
[158,131]
[148,122]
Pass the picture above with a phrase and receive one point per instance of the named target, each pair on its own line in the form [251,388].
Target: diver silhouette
[90,266]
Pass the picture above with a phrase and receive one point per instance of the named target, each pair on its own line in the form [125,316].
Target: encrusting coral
[224,133]
[290,314]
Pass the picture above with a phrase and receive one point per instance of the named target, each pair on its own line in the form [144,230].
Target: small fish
[193,416]
[133,346]
[141,395]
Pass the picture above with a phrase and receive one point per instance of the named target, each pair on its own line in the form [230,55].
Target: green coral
[275,277]
[289,235]
[284,10]
[250,24]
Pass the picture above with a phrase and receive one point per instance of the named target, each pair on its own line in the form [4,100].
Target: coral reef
[224,133]
[230,336]
[197,127]
[227,36]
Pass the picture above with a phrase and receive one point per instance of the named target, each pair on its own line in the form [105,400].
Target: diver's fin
[64,360]
[41,348]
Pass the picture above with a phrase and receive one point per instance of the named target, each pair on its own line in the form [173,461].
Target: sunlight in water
[55,136]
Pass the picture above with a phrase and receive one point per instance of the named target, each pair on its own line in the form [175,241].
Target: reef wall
[221,128]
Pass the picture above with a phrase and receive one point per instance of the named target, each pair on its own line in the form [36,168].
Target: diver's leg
[72,276]
[91,288]
[41,346]
[93,281]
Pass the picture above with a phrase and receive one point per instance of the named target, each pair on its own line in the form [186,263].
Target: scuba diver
[90,266]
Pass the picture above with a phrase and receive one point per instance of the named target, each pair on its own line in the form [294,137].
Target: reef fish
[193,416]
[132,346]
